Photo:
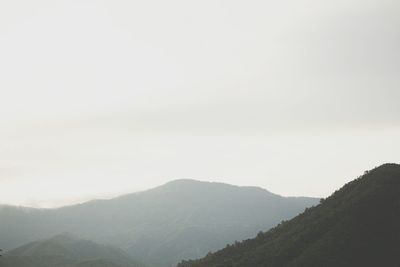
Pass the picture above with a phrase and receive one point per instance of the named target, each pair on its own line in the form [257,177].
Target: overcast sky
[101,98]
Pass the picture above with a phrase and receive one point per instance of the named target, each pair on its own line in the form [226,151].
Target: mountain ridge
[172,183]
[355,226]
[163,225]
[65,250]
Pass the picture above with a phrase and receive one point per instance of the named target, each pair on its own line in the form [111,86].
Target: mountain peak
[380,180]
[64,237]
[387,167]
[192,184]
[185,182]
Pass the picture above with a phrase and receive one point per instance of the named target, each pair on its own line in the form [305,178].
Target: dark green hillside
[66,251]
[359,225]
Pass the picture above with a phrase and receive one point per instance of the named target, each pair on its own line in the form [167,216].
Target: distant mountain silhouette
[66,251]
[358,226]
[182,219]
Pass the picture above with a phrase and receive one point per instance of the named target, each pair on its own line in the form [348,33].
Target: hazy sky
[100,98]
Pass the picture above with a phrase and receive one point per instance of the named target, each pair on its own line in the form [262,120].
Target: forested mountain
[183,219]
[66,251]
[358,225]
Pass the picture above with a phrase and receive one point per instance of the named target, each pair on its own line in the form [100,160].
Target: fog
[101,98]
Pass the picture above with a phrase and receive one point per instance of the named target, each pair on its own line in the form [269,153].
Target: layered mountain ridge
[358,225]
[183,219]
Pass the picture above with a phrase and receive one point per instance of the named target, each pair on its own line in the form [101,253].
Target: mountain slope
[180,220]
[359,225]
[66,251]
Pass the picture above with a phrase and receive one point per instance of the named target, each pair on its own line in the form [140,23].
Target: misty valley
[188,223]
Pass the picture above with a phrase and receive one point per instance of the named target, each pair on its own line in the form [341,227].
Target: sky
[103,98]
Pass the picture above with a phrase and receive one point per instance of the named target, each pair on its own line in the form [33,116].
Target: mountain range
[357,226]
[183,219]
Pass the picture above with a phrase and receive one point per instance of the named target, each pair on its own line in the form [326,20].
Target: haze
[101,98]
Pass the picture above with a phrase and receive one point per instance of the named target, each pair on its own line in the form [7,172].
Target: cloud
[149,87]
